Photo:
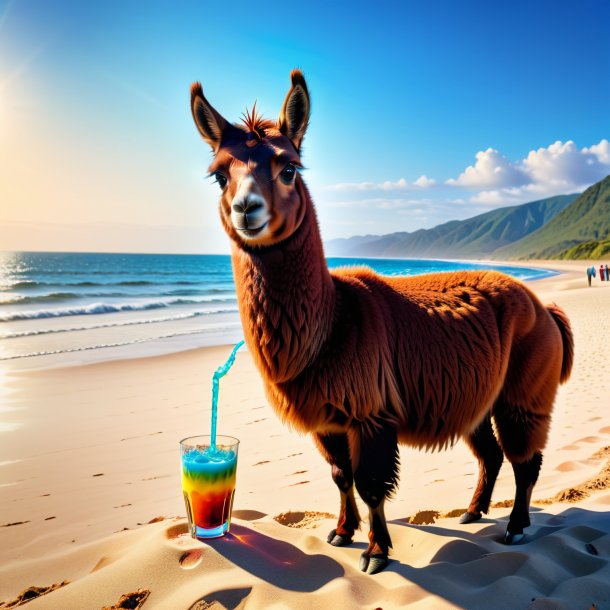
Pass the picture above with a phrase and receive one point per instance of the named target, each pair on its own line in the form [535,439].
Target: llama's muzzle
[249,214]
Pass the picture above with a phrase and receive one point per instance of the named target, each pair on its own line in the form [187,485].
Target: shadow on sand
[563,562]
[262,555]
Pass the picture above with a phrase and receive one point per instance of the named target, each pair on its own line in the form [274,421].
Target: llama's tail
[567,338]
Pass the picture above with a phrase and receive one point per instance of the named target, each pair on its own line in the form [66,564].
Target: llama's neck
[286,300]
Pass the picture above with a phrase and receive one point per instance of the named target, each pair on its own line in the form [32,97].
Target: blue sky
[422,112]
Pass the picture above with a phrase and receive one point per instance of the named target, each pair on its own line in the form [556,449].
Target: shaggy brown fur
[364,361]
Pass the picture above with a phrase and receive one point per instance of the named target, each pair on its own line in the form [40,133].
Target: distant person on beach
[607,276]
[602,273]
[590,273]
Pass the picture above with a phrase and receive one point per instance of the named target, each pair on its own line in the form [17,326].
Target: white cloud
[401,184]
[557,169]
[388,185]
[380,203]
[522,194]
[491,169]
[563,164]
[494,180]
[601,150]
[424,182]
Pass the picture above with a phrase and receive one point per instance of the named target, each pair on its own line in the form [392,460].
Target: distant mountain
[477,237]
[586,219]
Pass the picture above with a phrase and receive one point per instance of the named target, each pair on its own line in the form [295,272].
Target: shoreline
[231,332]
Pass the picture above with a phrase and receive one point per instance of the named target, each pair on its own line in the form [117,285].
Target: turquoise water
[88,306]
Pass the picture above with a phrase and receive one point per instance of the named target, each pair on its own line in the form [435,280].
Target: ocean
[73,308]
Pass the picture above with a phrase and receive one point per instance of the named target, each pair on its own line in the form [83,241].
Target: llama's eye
[288,173]
[221,179]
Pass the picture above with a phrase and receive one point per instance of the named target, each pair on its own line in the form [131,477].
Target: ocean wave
[204,273]
[33,284]
[58,296]
[101,308]
[67,296]
[118,344]
[183,316]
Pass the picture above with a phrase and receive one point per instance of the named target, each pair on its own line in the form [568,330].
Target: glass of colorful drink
[208,483]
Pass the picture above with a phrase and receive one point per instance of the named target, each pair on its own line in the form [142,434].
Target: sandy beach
[89,458]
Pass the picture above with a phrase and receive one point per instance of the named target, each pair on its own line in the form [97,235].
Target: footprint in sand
[248,515]
[590,439]
[177,530]
[302,519]
[178,536]
[32,593]
[190,559]
[424,517]
[130,600]
[568,466]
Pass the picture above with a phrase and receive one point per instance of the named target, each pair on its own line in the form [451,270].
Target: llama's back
[450,342]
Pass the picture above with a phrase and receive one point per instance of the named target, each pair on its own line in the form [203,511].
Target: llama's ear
[294,115]
[210,122]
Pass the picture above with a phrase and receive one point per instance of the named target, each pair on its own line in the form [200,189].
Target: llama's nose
[248,205]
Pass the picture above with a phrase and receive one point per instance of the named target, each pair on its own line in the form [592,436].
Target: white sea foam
[100,308]
[118,343]
[182,316]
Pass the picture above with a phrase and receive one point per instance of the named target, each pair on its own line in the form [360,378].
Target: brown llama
[364,362]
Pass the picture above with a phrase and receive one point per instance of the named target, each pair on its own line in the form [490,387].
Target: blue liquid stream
[221,371]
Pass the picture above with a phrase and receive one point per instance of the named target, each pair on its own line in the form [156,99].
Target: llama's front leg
[335,449]
[376,478]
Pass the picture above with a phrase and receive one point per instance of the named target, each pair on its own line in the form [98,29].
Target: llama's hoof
[371,564]
[337,539]
[513,537]
[469,517]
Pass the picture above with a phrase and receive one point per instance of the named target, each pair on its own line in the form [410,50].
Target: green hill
[571,232]
[476,237]
[588,250]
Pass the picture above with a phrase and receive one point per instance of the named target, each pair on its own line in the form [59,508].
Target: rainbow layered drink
[208,483]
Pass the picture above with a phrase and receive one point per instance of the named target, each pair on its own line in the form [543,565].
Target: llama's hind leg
[336,450]
[486,449]
[522,435]
[376,478]
[526,475]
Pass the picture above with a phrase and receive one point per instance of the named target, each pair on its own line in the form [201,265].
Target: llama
[364,362]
